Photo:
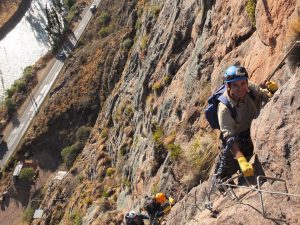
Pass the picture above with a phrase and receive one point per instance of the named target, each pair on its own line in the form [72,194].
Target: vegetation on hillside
[17,93]
[250,9]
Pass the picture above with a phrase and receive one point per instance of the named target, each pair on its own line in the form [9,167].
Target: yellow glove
[246,167]
[272,86]
[171,201]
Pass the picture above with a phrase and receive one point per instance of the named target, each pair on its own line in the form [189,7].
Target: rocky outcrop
[276,144]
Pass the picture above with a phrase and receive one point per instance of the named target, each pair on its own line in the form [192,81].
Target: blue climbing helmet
[235,73]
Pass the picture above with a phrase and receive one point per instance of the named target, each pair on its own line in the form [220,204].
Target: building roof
[38,214]
[60,175]
[18,169]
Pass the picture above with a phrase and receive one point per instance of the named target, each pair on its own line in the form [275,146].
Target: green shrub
[26,174]
[138,24]
[28,215]
[76,218]
[88,201]
[83,133]
[72,12]
[250,9]
[157,86]
[158,135]
[10,106]
[70,153]
[105,31]
[128,112]
[123,150]
[154,10]
[174,150]
[127,183]
[104,132]
[144,42]
[110,171]
[27,73]
[126,44]
[105,194]
[69,3]
[20,85]
[167,79]
[10,92]
[104,19]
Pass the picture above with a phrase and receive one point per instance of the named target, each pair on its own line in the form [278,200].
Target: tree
[69,3]
[55,26]
[58,5]
[10,106]
[26,174]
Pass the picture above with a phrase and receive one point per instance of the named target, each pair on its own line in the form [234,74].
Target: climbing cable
[259,190]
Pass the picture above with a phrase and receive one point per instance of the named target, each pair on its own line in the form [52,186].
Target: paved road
[24,120]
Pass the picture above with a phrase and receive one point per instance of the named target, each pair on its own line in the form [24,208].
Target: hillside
[138,82]
[7,9]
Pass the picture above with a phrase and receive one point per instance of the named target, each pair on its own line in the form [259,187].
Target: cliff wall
[142,89]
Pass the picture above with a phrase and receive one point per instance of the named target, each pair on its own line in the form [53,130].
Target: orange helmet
[160,197]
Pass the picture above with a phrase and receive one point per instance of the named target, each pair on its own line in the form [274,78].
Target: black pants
[226,164]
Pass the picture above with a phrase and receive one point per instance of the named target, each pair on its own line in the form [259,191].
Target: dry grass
[169,139]
[157,85]
[128,131]
[144,42]
[198,158]
[175,150]
[7,10]
[293,32]
[124,111]
[150,101]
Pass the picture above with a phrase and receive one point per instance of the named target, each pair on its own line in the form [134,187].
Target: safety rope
[285,56]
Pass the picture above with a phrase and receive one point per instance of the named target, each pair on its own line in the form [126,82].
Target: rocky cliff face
[145,106]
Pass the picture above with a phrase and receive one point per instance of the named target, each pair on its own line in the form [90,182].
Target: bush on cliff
[70,153]
[28,215]
[83,133]
[26,174]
